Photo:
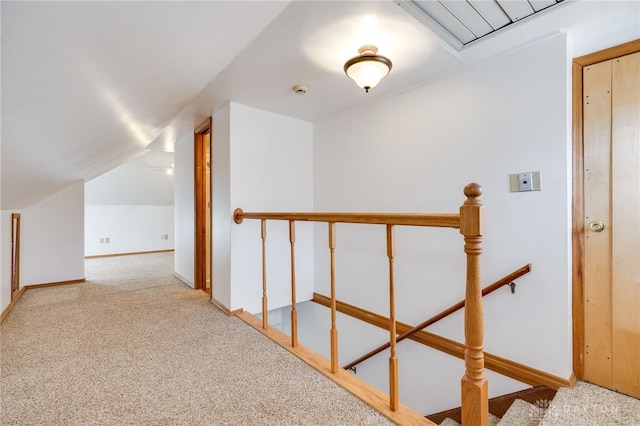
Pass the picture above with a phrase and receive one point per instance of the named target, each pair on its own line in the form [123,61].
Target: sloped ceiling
[89,85]
[146,180]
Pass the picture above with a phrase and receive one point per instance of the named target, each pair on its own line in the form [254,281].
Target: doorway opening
[202,187]
[15,257]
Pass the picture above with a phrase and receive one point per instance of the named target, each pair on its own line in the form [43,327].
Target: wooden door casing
[202,207]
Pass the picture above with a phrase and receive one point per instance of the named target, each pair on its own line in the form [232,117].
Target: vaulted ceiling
[89,85]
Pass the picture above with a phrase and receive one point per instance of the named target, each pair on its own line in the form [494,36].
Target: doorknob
[597,226]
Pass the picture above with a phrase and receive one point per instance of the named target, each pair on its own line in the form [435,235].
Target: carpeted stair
[584,405]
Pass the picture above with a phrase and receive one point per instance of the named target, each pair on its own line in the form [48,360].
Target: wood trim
[199,274]
[200,206]
[507,279]
[578,192]
[577,228]
[11,304]
[6,311]
[55,284]
[361,389]
[609,53]
[499,405]
[15,255]
[226,310]
[127,254]
[204,126]
[509,368]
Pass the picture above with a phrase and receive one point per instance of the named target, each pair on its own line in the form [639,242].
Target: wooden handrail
[506,367]
[507,279]
[470,222]
[442,220]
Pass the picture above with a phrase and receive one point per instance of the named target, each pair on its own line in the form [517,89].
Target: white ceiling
[89,85]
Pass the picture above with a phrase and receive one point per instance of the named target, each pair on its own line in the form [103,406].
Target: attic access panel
[463,22]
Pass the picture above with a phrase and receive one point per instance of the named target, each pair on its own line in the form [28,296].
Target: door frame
[578,193]
[202,246]
[15,257]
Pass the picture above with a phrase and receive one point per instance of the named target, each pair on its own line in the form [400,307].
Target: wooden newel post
[475,403]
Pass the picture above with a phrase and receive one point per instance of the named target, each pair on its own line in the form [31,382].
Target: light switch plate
[525,181]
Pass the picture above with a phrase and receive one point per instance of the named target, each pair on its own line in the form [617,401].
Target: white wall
[132,206]
[262,162]
[5,252]
[52,240]
[414,153]
[184,208]
[130,229]
[221,191]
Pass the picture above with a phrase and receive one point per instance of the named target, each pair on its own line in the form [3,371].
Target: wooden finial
[473,190]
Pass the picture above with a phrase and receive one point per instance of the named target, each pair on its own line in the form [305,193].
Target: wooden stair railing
[507,279]
[470,222]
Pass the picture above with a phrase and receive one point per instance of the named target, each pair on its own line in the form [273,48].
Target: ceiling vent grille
[463,22]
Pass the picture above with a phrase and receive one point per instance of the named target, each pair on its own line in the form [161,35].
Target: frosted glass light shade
[367,69]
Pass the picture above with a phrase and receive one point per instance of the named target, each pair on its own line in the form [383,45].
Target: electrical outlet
[107,240]
[101,240]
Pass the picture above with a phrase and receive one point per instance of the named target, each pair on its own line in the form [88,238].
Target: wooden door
[611,135]
[207,219]
[202,187]
[15,256]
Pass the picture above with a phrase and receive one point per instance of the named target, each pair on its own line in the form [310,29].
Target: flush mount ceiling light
[368,68]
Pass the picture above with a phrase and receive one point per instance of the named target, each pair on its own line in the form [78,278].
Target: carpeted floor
[588,404]
[135,346]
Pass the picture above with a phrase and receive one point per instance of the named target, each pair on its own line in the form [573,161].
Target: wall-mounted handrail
[507,279]
[470,222]
[504,366]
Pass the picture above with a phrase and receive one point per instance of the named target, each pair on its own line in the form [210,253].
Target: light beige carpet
[135,346]
[588,404]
